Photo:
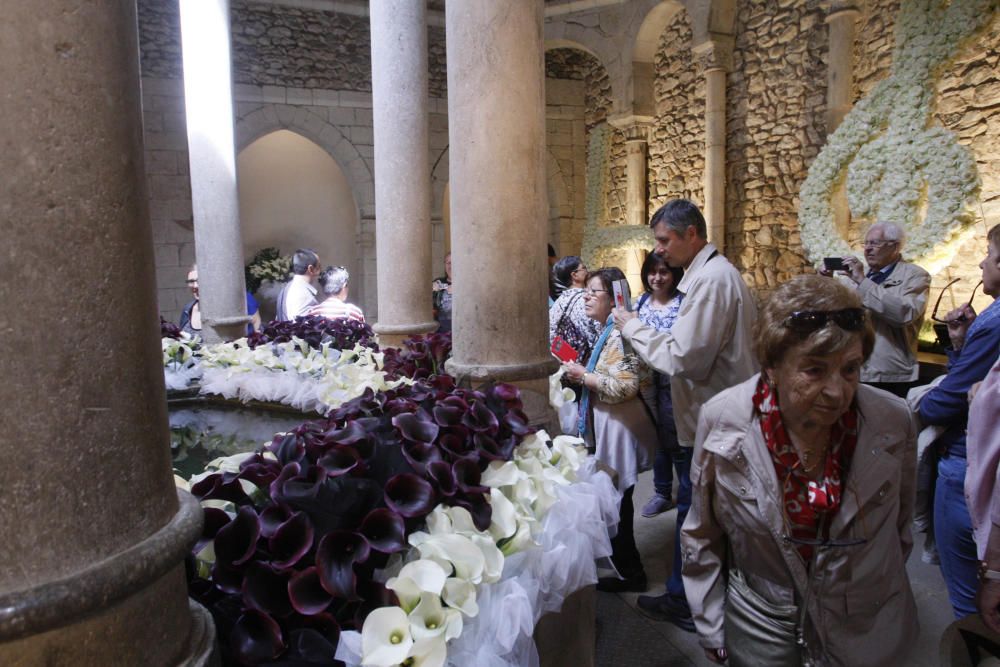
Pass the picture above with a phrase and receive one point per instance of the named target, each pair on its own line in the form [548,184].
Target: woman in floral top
[567,316]
[615,422]
[658,308]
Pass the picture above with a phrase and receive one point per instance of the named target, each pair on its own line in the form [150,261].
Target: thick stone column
[402,172]
[92,531]
[841,17]
[715,59]
[208,102]
[496,117]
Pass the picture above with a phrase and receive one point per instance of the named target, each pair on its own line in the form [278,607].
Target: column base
[393,335]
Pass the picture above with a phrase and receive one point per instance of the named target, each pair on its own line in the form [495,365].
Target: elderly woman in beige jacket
[796,543]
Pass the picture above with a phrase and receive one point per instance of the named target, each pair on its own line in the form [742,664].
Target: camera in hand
[834,263]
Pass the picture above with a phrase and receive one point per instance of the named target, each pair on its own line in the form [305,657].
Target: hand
[959,321]
[574,372]
[823,271]
[854,269]
[988,602]
[717,655]
[623,317]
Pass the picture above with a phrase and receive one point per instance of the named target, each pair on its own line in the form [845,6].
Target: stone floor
[625,638]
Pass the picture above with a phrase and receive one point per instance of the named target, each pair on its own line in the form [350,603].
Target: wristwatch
[986,573]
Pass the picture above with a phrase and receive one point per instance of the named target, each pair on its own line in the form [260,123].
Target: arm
[898,308]
[908,488]
[690,348]
[703,545]
[948,402]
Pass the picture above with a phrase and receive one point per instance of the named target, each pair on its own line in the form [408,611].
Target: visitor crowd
[794,452]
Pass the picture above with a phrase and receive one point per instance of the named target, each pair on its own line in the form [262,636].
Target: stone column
[496,117]
[402,172]
[92,531]
[208,102]
[715,60]
[841,17]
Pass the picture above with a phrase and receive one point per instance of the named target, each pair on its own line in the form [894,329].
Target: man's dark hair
[678,215]
[303,259]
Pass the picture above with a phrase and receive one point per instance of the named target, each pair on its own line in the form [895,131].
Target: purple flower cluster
[341,333]
[169,329]
[420,356]
[295,565]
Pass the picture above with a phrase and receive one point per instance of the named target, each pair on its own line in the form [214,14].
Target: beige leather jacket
[861,609]
[897,307]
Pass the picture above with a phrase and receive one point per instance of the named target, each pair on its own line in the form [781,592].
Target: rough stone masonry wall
[776,101]
[677,146]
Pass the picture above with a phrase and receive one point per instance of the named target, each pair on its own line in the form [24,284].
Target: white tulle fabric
[263,384]
[178,376]
[536,581]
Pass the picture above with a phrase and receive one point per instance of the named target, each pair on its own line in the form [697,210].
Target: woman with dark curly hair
[567,316]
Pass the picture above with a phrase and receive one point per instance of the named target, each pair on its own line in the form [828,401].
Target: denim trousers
[953,534]
[666,432]
[682,464]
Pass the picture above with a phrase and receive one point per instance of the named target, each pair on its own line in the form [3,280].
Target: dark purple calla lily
[469,477]
[266,590]
[272,517]
[506,393]
[458,447]
[448,415]
[259,471]
[291,541]
[416,427]
[443,477]
[351,433]
[335,559]
[236,542]
[310,647]
[217,487]
[487,447]
[481,511]
[287,448]
[307,594]
[227,579]
[302,487]
[255,638]
[215,519]
[409,495]
[481,419]
[385,530]
[289,471]
[398,406]
[419,455]
[341,461]
[517,422]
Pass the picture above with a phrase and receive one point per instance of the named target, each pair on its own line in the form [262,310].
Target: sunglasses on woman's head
[808,321]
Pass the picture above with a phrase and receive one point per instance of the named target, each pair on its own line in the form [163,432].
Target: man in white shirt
[299,295]
[334,281]
[709,348]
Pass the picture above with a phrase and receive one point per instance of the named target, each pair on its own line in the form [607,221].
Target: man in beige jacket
[707,350]
[895,294]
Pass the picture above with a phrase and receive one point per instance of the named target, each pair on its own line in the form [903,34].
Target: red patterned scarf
[805,500]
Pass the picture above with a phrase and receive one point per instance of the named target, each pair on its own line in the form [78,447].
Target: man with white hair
[895,294]
[333,280]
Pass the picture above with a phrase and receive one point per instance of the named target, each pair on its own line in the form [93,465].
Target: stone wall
[281,46]
[677,145]
[775,127]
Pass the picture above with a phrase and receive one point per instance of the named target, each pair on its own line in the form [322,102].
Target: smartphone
[622,294]
[563,351]
[834,263]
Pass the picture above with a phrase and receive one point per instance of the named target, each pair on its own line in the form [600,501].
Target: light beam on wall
[208,97]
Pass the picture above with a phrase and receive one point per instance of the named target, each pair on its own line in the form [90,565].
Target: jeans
[953,533]
[666,433]
[682,464]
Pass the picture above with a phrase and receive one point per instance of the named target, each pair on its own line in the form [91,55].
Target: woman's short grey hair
[890,232]
[333,279]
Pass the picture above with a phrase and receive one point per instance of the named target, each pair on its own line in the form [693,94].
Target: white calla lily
[431,619]
[420,576]
[499,474]
[461,594]
[385,638]
[458,550]
[492,557]
[428,652]
[503,522]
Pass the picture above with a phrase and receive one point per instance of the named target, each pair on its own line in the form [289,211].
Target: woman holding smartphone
[614,421]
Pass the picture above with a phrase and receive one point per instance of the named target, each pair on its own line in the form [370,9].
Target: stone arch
[270,117]
[644,47]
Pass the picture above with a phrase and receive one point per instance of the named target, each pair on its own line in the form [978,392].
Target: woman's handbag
[759,632]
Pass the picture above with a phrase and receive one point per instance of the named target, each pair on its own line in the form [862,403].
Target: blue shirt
[948,403]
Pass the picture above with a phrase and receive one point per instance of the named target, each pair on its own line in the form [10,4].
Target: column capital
[837,9]
[635,127]
[715,53]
